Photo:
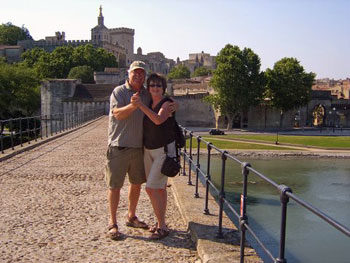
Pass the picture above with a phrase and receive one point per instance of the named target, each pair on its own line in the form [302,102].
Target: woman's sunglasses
[155,85]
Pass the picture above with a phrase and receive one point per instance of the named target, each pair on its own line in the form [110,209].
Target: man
[125,148]
[125,154]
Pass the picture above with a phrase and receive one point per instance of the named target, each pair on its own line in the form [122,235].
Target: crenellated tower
[124,37]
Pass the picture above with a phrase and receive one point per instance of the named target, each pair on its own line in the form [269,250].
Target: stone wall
[58,104]
[193,112]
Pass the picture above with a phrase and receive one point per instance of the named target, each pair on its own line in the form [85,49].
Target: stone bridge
[53,208]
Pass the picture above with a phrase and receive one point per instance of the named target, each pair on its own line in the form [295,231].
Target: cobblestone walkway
[53,208]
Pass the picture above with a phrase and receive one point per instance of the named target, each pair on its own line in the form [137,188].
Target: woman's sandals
[159,234]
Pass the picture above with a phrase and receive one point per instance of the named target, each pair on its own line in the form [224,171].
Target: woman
[158,132]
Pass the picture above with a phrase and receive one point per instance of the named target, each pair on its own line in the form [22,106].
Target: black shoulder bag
[171,165]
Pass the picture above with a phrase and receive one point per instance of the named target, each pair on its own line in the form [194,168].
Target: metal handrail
[284,191]
[13,131]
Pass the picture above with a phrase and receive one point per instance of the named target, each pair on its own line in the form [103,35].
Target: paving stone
[53,208]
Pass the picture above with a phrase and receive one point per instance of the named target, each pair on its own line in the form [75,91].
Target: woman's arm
[157,118]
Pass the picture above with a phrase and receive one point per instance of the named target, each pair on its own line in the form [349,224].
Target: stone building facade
[197,60]
[118,41]
[11,54]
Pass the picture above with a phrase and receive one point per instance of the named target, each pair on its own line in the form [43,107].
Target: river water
[325,183]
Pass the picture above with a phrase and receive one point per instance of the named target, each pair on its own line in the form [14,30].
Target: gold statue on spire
[100,10]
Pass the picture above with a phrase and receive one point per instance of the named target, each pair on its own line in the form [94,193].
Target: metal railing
[17,131]
[284,191]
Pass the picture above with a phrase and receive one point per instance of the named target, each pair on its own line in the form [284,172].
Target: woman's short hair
[158,78]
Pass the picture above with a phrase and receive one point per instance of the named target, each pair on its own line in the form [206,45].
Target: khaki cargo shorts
[122,161]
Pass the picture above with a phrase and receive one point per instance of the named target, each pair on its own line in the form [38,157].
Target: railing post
[35,130]
[28,130]
[198,166]
[57,122]
[46,126]
[20,132]
[11,134]
[190,161]
[184,155]
[60,118]
[41,126]
[243,218]
[2,127]
[207,179]
[222,193]
[284,200]
[51,124]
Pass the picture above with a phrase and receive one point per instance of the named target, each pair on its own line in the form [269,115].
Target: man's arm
[123,112]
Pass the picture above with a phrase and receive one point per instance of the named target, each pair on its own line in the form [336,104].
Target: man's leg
[134,195]
[113,199]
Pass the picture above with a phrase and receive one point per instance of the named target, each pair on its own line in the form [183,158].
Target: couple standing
[140,126]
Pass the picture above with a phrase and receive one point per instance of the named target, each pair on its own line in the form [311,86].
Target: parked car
[216,132]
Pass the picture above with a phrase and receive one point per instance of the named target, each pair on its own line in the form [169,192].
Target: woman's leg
[156,184]
[158,199]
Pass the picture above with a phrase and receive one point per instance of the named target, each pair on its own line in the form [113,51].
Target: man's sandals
[135,222]
[114,234]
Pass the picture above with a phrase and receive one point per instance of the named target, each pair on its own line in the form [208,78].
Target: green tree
[19,91]
[59,63]
[85,73]
[10,34]
[288,85]
[237,81]
[179,72]
[32,56]
[202,71]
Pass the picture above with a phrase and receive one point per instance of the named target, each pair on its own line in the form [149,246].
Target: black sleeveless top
[156,136]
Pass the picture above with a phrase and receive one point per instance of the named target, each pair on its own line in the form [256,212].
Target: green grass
[231,145]
[342,142]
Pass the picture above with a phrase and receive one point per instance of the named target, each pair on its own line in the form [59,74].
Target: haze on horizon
[316,32]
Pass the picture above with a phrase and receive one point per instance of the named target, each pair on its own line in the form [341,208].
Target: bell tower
[100,18]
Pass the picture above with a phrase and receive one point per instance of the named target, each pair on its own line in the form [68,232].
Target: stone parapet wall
[193,112]
[56,103]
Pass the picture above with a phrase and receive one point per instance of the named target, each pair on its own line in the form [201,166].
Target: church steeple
[100,17]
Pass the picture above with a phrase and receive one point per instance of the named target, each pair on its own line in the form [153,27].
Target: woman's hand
[173,105]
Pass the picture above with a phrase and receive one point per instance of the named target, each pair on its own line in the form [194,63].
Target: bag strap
[176,151]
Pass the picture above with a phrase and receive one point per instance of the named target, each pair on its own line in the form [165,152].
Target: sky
[316,32]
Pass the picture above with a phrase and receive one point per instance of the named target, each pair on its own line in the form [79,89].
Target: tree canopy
[179,72]
[59,63]
[85,73]
[237,81]
[19,91]
[288,85]
[201,71]
[10,34]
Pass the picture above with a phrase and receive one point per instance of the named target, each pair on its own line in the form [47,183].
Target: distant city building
[197,60]
[118,41]
[339,88]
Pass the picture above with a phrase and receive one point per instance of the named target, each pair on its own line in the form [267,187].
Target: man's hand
[135,99]
[124,112]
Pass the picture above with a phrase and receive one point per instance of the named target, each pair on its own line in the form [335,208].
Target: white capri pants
[153,159]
